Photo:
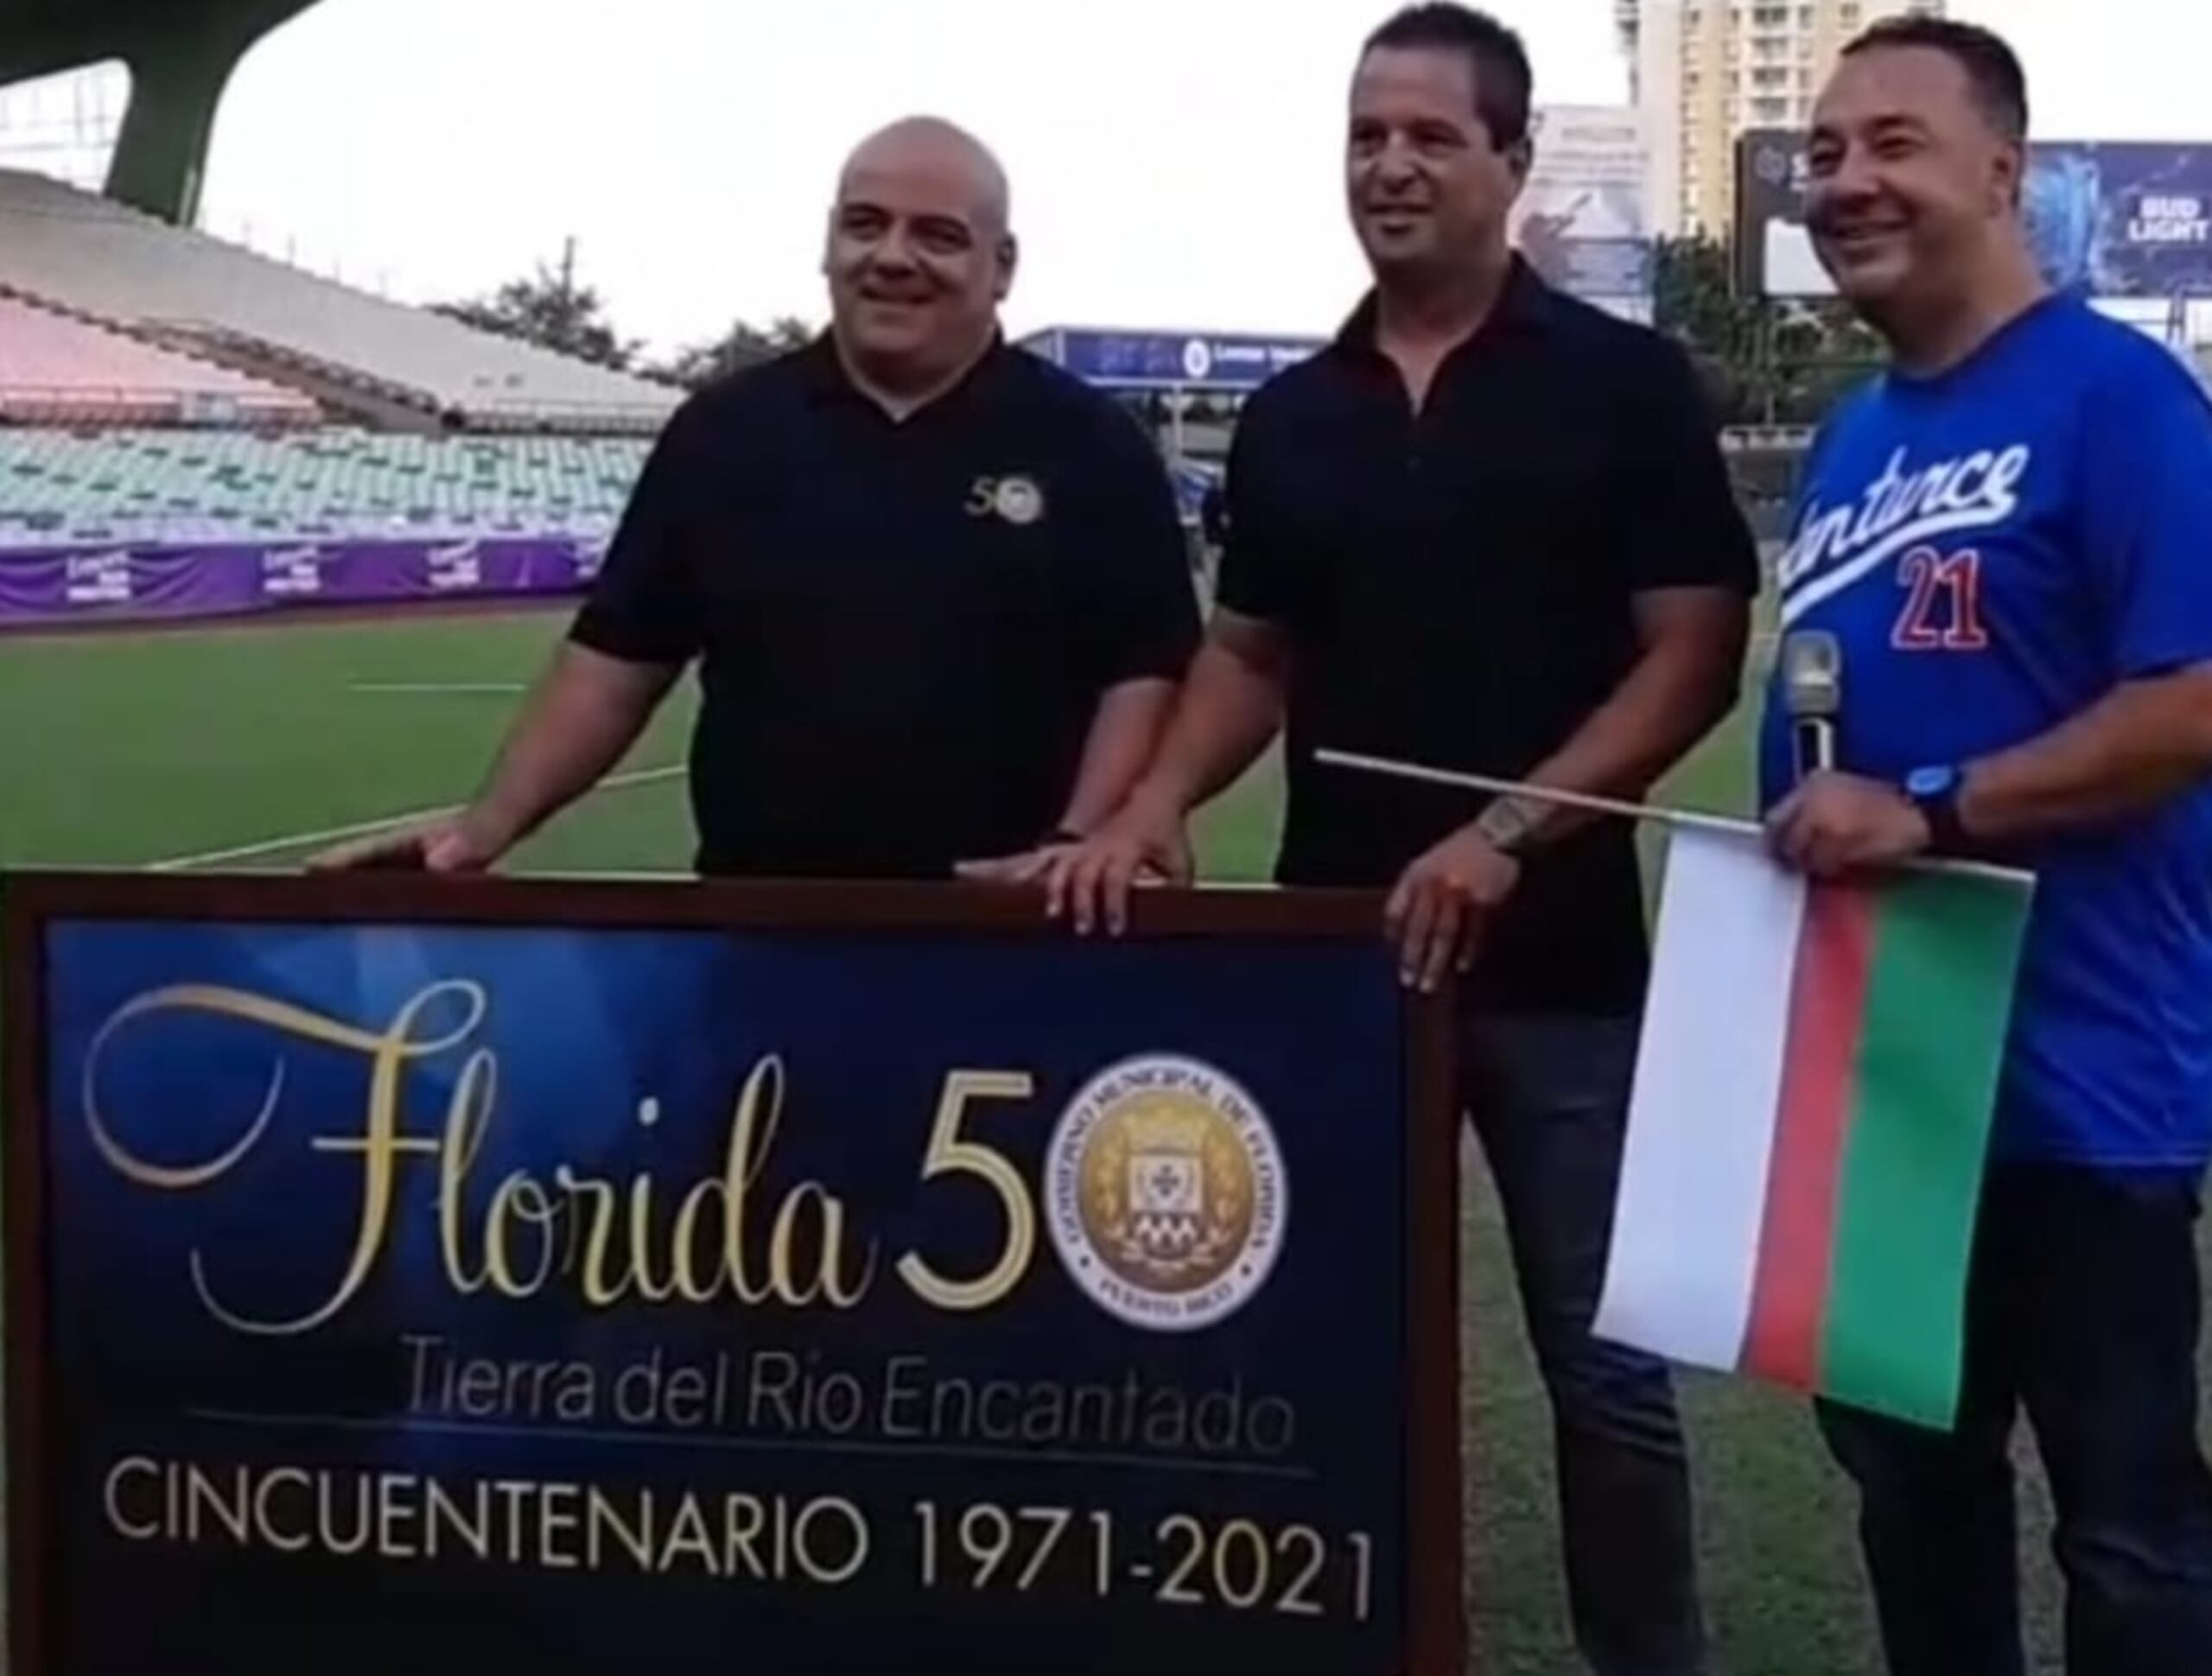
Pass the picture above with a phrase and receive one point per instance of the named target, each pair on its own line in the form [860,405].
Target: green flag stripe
[1938,1003]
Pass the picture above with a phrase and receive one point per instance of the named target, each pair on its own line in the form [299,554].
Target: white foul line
[363,828]
[440,688]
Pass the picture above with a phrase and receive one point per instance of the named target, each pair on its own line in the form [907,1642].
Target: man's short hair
[1992,68]
[1505,85]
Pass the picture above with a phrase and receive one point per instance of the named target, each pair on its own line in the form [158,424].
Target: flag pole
[1693,820]
[1547,794]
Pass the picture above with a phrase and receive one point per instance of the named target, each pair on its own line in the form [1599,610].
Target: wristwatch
[1503,824]
[1935,792]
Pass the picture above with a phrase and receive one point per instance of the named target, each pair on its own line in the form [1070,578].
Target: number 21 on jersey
[1943,605]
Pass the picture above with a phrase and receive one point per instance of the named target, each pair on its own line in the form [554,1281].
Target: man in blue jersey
[2009,537]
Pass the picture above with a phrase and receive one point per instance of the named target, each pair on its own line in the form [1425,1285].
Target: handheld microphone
[1812,685]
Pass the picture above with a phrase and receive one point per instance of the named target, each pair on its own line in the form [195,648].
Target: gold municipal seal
[1166,1194]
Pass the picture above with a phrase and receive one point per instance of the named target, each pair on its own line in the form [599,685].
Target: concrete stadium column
[161,155]
[182,54]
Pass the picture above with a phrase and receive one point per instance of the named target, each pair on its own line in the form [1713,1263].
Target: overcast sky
[1174,162]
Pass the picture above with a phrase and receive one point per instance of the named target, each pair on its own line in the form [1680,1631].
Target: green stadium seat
[147,485]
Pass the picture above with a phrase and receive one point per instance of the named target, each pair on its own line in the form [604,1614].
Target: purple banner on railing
[126,583]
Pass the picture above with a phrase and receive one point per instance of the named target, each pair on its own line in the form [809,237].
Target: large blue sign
[2109,220]
[2123,220]
[617,1279]
[1201,363]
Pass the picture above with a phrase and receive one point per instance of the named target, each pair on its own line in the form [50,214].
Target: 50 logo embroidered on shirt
[1017,499]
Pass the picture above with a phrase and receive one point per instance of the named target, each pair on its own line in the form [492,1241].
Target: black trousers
[2083,1309]
[1549,1099]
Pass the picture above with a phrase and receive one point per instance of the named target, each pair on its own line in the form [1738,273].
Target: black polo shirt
[1458,587]
[904,628]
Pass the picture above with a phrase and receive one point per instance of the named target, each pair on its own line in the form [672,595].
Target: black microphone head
[1812,674]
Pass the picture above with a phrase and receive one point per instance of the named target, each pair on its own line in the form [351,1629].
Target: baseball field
[251,747]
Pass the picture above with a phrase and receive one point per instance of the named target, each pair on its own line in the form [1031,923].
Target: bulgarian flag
[1811,1115]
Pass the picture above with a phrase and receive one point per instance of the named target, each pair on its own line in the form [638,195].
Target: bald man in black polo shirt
[937,588]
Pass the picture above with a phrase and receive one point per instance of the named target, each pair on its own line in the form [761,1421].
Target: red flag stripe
[1828,1010]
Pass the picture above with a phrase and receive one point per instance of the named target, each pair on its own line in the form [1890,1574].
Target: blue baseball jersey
[1994,549]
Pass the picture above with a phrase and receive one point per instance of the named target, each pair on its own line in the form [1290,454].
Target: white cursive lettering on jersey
[1836,546]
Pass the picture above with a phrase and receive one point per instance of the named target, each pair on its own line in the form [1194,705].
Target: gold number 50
[950,1155]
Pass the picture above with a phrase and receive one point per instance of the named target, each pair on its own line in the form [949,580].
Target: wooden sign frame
[30,902]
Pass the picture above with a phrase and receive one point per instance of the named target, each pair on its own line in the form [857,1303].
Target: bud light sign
[2123,220]
[2109,220]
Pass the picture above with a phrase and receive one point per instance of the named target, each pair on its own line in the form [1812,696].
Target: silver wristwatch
[1503,824]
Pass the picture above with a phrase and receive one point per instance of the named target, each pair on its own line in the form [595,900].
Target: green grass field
[251,743]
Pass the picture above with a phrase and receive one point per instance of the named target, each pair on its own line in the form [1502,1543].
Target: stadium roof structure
[181,54]
[66,253]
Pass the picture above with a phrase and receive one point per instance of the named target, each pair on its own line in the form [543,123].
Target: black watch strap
[1943,823]
[1938,806]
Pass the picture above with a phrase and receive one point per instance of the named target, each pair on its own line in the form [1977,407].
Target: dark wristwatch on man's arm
[1935,792]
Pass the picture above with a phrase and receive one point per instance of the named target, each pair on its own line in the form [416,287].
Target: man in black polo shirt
[1489,529]
[937,588]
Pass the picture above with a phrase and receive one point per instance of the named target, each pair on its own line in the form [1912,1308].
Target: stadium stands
[242,310]
[59,369]
[58,488]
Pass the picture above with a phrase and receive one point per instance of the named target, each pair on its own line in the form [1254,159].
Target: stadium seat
[113,263]
[57,368]
[62,487]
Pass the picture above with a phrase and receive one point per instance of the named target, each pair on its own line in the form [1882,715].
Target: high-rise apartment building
[1702,71]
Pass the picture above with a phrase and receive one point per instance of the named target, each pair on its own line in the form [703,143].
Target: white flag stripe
[1702,1119]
